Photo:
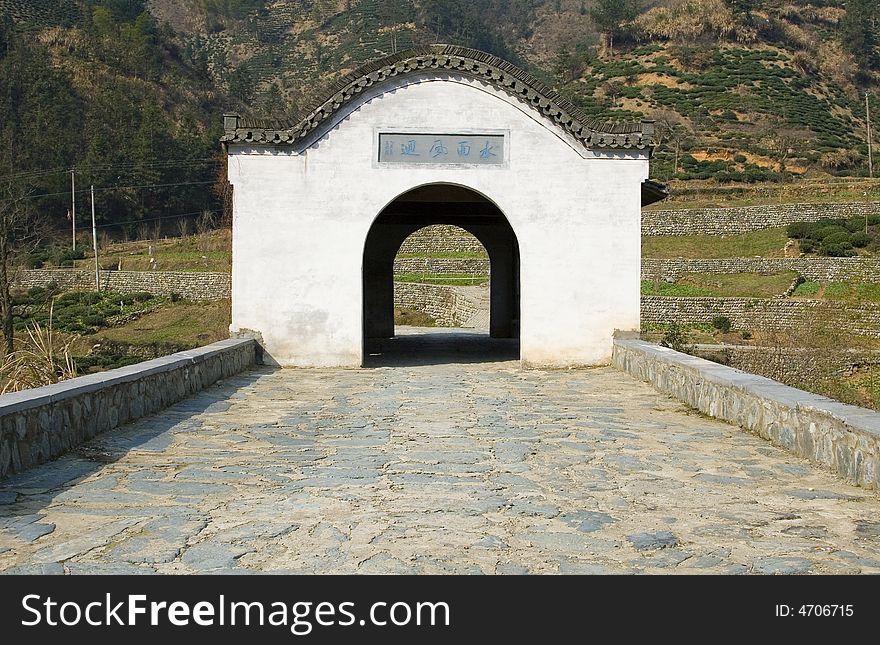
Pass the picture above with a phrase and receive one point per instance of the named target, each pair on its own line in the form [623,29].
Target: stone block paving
[461,468]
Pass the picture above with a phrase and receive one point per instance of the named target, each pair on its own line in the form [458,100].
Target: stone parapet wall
[817,269]
[443,303]
[470,266]
[39,424]
[762,313]
[840,437]
[727,221]
[189,285]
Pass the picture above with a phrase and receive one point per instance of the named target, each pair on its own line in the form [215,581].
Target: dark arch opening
[415,209]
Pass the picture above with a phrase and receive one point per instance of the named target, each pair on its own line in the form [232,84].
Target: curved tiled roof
[458,60]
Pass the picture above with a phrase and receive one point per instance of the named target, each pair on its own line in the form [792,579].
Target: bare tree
[783,142]
[19,234]
[183,226]
[670,129]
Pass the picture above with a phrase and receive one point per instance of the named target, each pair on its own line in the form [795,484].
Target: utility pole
[73,205]
[95,243]
[870,151]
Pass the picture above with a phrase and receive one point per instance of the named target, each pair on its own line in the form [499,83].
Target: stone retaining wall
[42,423]
[470,266]
[843,438]
[762,313]
[442,302]
[794,365]
[441,237]
[190,285]
[817,269]
[727,221]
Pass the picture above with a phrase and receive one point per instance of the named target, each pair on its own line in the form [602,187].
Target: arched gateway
[439,135]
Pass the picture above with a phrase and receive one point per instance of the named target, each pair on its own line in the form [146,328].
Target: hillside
[743,91]
[130,92]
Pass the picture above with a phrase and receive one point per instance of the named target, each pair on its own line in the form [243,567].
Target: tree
[19,233]
[611,15]
[672,128]
[858,34]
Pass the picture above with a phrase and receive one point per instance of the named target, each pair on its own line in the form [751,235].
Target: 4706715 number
[815,610]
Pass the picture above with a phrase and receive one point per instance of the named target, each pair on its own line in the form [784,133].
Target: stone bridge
[441,457]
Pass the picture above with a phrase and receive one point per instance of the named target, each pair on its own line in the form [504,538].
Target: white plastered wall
[301,217]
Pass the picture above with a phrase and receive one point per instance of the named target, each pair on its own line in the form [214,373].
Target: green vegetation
[674,289]
[457,279]
[852,291]
[108,95]
[210,251]
[722,285]
[766,242]
[837,237]
[78,312]
[183,324]
[807,289]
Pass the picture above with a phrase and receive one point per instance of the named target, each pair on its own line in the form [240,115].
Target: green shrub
[841,237]
[36,259]
[677,338]
[855,224]
[819,234]
[722,323]
[799,230]
[860,240]
[95,320]
[838,250]
[142,296]
[65,257]
[739,159]
[807,245]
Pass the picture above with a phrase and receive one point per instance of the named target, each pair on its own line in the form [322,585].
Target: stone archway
[439,134]
[427,205]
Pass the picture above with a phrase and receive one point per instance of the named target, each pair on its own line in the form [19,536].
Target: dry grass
[41,358]
[768,242]
[187,324]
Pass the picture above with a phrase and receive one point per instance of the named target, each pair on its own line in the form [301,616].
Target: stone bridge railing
[843,438]
[39,424]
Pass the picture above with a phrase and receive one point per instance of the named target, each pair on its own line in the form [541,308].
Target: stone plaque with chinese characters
[482,149]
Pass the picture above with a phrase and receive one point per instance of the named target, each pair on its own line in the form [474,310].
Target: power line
[108,188]
[168,163]
[160,217]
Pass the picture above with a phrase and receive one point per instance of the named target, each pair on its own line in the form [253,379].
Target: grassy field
[722,285]
[769,242]
[210,251]
[852,292]
[455,279]
[186,324]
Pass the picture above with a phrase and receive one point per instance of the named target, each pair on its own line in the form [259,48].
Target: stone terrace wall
[444,238]
[793,365]
[472,266]
[39,424]
[843,438]
[726,221]
[190,285]
[761,313]
[818,269]
[443,303]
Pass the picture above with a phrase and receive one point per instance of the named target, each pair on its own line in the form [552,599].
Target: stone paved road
[465,468]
